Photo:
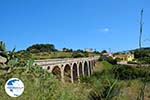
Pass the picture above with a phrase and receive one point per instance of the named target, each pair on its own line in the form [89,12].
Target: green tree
[66,50]
[104,51]
[77,55]
[37,48]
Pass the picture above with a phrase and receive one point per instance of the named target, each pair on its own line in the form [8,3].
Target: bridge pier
[78,74]
[62,76]
[72,75]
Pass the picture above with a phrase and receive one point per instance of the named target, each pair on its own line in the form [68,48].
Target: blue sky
[76,24]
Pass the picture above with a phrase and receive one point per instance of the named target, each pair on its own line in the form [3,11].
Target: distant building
[88,49]
[125,57]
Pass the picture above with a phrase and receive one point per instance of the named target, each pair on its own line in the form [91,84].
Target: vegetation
[4,53]
[112,61]
[48,51]
[108,81]
[78,54]
[142,55]
[124,72]
[67,50]
[41,48]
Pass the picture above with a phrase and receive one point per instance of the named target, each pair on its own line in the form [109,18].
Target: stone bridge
[69,69]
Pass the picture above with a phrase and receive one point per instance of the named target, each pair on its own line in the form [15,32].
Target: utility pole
[141,30]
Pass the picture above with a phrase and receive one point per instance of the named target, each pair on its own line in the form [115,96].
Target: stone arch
[85,68]
[57,72]
[67,73]
[48,68]
[80,70]
[75,75]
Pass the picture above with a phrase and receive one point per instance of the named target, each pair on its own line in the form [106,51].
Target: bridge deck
[63,60]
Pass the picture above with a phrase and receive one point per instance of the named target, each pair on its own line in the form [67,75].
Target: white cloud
[104,30]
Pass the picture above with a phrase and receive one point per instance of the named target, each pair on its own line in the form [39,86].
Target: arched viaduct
[69,69]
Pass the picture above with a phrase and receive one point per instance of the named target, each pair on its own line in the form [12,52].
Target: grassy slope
[40,85]
[53,55]
[58,54]
[129,89]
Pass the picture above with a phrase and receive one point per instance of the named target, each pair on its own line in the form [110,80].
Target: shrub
[108,90]
[112,61]
[132,62]
[77,55]
[125,72]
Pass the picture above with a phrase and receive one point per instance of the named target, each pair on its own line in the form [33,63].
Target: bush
[132,62]
[108,89]
[112,61]
[77,55]
[125,72]
[37,48]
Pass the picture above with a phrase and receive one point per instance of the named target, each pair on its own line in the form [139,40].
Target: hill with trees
[37,48]
[142,55]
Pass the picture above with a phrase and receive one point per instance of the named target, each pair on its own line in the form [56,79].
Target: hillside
[107,82]
[41,85]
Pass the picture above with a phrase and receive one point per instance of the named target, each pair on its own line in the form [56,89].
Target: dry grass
[129,89]
[36,88]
